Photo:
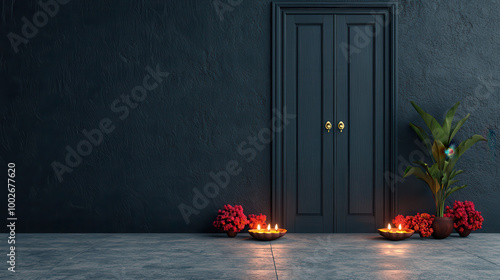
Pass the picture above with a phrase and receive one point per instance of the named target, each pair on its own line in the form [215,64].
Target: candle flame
[388,226]
[276,227]
[399,226]
[258,227]
[269,227]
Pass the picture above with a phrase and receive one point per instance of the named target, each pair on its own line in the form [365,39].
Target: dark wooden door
[336,67]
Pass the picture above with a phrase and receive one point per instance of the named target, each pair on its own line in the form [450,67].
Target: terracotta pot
[464,233]
[231,233]
[442,226]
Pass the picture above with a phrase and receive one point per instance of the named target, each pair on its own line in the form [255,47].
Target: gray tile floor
[215,256]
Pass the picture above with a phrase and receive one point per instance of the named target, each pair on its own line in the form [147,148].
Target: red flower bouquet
[405,222]
[421,223]
[231,219]
[256,220]
[465,215]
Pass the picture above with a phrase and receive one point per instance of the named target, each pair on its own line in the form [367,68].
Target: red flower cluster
[257,220]
[421,223]
[466,216]
[231,218]
[405,222]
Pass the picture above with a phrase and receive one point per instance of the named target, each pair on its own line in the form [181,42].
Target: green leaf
[460,150]
[432,124]
[451,165]
[434,175]
[436,188]
[438,153]
[444,181]
[423,165]
[457,127]
[445,165]
[447,122]
[454,189]
[422,135]
[465,145]
[419,173]
[455,173]
[451,182]
[435,172]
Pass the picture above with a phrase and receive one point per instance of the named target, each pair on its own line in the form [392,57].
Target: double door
[334,153]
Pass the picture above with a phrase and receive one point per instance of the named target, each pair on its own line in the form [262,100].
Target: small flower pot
[231,233]
[463,233]
[442,226]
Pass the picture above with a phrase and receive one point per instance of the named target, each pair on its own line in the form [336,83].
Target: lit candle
[258,227]
[269,228]
[276,227]
[399,231]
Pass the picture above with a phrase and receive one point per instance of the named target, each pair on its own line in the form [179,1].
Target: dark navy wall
[449,52]
[75,73]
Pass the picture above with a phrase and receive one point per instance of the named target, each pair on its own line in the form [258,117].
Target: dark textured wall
[449,51]
[217,95]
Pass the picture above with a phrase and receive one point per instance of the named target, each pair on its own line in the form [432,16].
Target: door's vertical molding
[348,117]
[394,105]
[334,198]
[375,174]
[322,113]
[282,145]
[277,151]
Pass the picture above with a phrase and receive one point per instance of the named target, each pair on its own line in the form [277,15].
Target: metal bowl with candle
[267,234]
[396,234]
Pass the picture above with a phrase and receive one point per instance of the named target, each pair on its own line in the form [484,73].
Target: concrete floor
[215,256]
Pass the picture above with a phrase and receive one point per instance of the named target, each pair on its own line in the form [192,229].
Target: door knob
[328,126]
[341,126]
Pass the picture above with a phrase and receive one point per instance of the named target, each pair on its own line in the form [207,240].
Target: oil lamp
[396,234]
[267,234]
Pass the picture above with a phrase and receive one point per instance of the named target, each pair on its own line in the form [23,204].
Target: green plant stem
[439,207]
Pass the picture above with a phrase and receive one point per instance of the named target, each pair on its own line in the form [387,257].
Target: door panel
[309,99]
[309,180]
[360,133]
[360,99]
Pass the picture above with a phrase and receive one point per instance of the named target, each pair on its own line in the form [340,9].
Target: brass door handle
[341,126]
[328,126]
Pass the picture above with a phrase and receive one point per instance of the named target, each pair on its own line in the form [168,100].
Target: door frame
[279,10]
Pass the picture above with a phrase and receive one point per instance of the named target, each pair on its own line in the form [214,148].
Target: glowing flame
[389,226]
[258,227]
[276,227]
[399,226]
[269,227]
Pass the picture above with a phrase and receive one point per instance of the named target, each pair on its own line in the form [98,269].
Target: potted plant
[440,173]
[231,220]
[465,216]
